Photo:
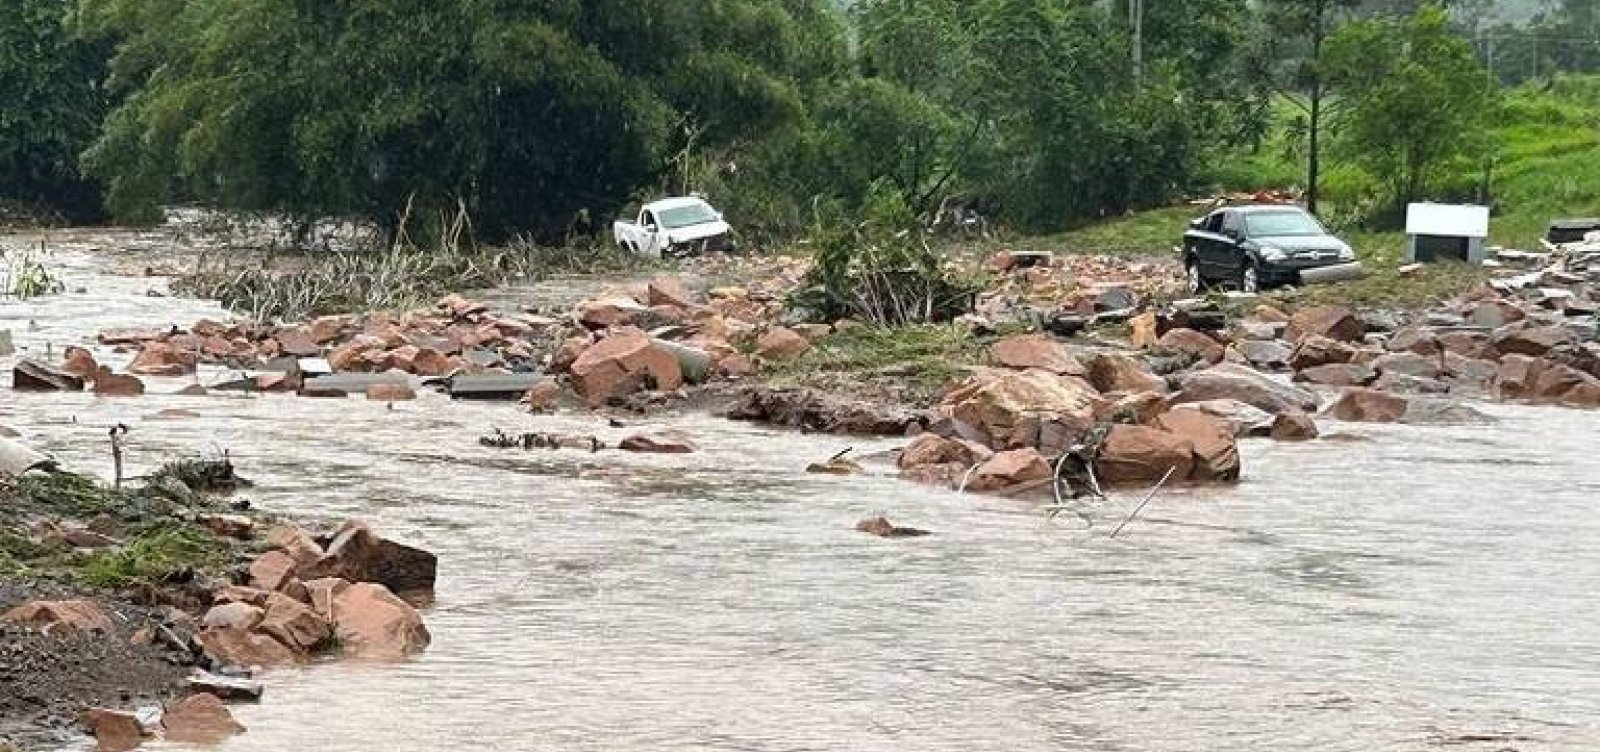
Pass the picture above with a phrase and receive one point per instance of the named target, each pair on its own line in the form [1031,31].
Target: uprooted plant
[26,276]
[397,275]
[881,270]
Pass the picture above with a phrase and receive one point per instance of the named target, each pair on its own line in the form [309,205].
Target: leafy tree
[1418,99]
[50,107]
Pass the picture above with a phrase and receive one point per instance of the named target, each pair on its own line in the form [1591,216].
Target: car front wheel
[1197,281]
[1250,280]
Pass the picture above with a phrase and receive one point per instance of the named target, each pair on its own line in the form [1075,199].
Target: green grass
[151,557]
[914,362]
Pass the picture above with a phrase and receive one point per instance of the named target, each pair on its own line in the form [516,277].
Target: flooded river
[1426,588]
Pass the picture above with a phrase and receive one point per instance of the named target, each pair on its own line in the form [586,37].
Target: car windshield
[1279,224]
[687,215]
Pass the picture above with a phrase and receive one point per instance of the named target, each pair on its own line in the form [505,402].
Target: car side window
[1213,223]
[1233,224]
[647,220]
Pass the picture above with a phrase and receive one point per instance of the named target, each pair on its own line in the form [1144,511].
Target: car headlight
[1273,254]
[1347,254]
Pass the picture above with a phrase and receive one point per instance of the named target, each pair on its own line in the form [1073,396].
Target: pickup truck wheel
[1250,280]
[1197,281]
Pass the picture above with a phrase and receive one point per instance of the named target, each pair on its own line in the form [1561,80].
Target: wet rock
[669,291]
[1379,321]
[1233,382]
[1585,396]
[1338,374]
[391,393]
[1368,406]
[1555,380]
[623,363]
[372,623]
[1535,341]
[1216,451]
[272,570]
[609,312]
[79,362]
[1269,354]
[933,449]
[1293,427]
[1261,330]
[108,384]
[836,466]
[781,343]
[327,329]
[1470,374]
[1433,411]
[1410,364]
[300,546]
[240,594]
[233,615]
[945,475]
[1493,314]
[1399,383]
[1112,373]
[320,593]
[199,719]
[1039,351]
[163,359]
[1314,350]
[1190,342]
[1010,407]
[297,342]
[32,376]
[541,396]
[1334,322]
[236,526]
[1242,419]
[811,410]
[128,336]
[1134,454]
[357,554]
[735,365]
[1009,469]
[1139,408]
[61,616]
[231,688]
[237,647]
[1268,314]
[294,624]
[1419,340]
[883,528]
[1143,330]
[659,442]
[113,730]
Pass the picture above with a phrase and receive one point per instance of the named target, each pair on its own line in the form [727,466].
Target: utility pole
[1136,20]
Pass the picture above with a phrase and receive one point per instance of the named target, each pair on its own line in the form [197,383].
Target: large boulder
[1113,373]
[1242,419]
[933,449]
[1039,351]
[61,616]
[782,343]
[1368,406]
[1556,380]
[1012,407]
[1228,381]
[1317,350]
[609,312]
[1338,374]
[1493,314]
[1216,450]
[32,376]
[1293,427]
[294,624]
[357,554]
[113,730]
[1334,322]
[1140,454]
[198,719]
[79,362]
[1410,364]
[1518,375]
[163,359]
[109,384]
[1194,344]
[373,623]
[234,615]
[623,363]
[1010,469]
[1268,354]
[658,442]
[272,570]
[238,647]
[1535,341]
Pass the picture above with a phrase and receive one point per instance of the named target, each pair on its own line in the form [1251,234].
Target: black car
[1252,248]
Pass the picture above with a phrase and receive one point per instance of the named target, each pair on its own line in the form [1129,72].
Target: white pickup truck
[675,227]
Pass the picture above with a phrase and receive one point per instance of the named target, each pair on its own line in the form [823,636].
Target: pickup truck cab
[1252,248]
[675,227]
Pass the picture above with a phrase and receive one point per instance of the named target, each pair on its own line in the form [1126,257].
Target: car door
[651,230]
[1230,239]
[1209,243]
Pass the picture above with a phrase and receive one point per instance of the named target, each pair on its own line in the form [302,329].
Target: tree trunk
[1314,157]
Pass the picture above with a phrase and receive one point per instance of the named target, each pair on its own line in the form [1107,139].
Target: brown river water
[1423,588]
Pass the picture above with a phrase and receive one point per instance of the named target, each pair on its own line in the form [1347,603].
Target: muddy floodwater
[1422,588]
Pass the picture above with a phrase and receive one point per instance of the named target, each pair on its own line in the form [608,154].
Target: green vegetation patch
[151,557]
[916,363]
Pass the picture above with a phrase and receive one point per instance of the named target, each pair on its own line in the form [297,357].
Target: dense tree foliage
[50,107]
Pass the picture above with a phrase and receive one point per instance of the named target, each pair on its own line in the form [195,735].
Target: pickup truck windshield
[687,216]
[1280,224]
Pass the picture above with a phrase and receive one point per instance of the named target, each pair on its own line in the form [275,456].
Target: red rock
[1039,351]
[198,719]
[297,342]
[1216,451]
[321,592]
[1584,396]
[128,336]
[1338,374]
[735,364]
[391,392]
[658,442]
[240,594]
[294,624]
[113,730]
[108,384]
[1534,341]
[326,329]
[1143,331]
[237,647]
[1517,376]
[568,353]
[609,312]
[1368,406]
[1139,408]
[1334,322]
[372,623]
[1009,469]
[1293,427]
[1556,380]
[1192,343]
[933,449]
[1314,350]
[1233,382]
[668,291]
[233,615]
[883,528]
[1410,364]
[622,363]
[1138,454]
[781,343]
[1012,407]
[272,570]
[945,475]
[56,616]
[1112,373]
[303,549]
[228,525]
[163,359]
[1268,314]
[357,554]
[32,376]
[79,362]
[813,333]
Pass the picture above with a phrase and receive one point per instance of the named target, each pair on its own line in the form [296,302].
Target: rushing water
[1426,588]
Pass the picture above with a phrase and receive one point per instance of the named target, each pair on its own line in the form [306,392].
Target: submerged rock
[883,528]
[373,623]
[199,719]
[32,376]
